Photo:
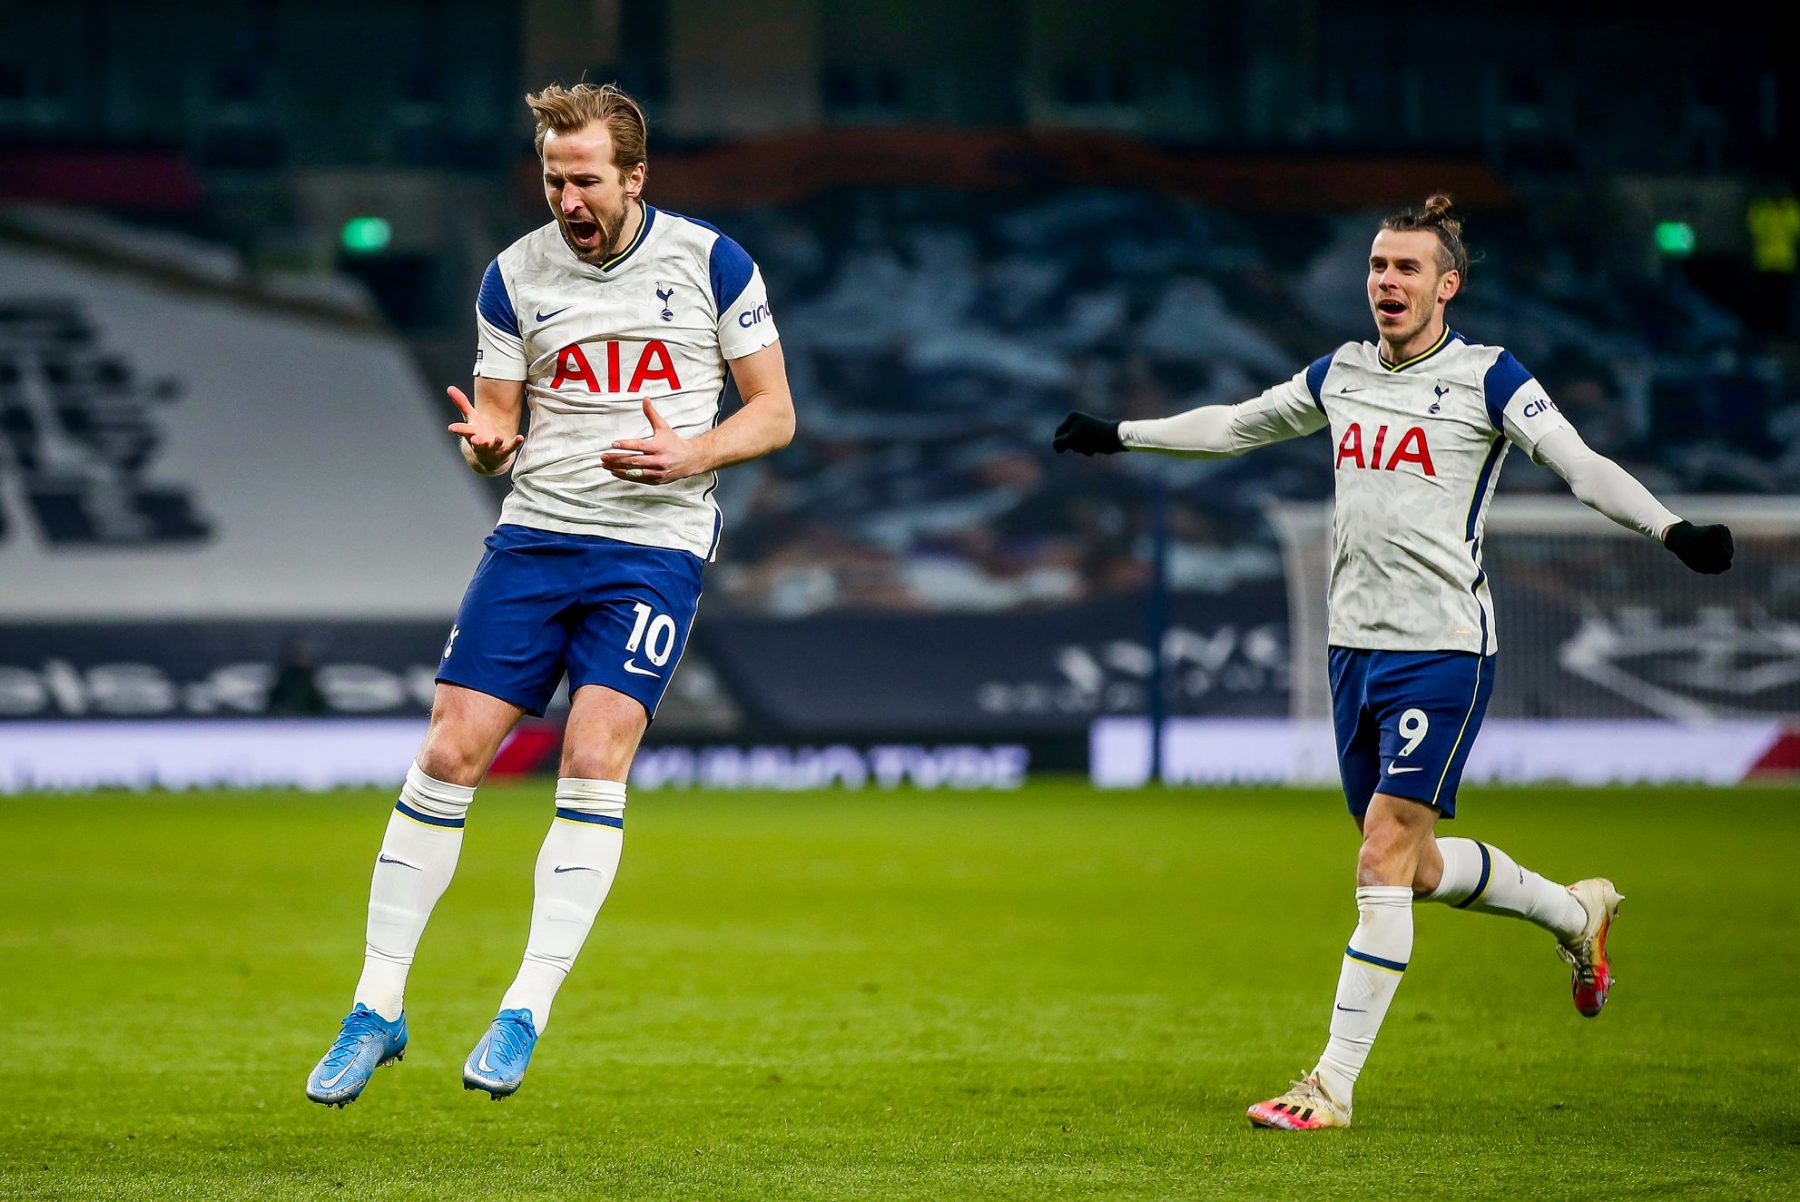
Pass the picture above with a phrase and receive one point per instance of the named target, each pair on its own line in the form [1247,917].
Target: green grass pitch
[1051,994]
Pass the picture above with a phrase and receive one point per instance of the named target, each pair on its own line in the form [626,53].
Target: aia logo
[663,293]
[652,363]
[1410,448]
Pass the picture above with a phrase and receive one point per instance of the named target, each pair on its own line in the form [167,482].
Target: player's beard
[1395,338]
[1418,328]
[610,226]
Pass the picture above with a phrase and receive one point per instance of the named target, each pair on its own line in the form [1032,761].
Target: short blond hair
[566,110]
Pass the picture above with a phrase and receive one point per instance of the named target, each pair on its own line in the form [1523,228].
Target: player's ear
[1449,285]
[634,179]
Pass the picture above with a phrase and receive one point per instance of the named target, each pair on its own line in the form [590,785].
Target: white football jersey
[1417,448]
[592,342]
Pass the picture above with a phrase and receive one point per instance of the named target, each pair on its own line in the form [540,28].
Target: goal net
[1596,621]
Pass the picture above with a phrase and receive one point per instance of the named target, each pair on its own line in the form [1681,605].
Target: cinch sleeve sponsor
[499,349]
[1518,405]
[742,303]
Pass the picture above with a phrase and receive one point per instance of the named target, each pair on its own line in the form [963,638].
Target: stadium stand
[935,338]
[179,446]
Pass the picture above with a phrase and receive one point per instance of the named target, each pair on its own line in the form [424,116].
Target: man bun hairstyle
[566,110]
[1435,216]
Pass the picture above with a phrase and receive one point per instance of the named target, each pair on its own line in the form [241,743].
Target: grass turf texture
[1053,994]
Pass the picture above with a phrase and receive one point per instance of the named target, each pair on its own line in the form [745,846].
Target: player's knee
[1374,865]
[443,760]
[454,754]
[602,734]
[595,761]
[465,731]
[1389,855]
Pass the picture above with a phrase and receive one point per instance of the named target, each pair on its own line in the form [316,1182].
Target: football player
[1421,420]
[616,323]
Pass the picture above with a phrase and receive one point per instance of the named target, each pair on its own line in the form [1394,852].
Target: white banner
[324,753]
[307,753]
[1509,750]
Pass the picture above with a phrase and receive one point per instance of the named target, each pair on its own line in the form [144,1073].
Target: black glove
[1087,434]
[1703,548]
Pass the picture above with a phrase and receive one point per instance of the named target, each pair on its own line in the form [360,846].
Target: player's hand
[1087,435]
[489,447]
[662,458]
[1705,549]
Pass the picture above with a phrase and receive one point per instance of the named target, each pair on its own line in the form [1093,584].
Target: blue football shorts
[543,604]
[1405,721]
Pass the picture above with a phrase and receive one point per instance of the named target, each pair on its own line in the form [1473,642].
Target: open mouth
[1391,308]
[585,233]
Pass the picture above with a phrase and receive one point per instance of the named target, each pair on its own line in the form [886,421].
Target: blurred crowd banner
[1509,751]
[1020,673]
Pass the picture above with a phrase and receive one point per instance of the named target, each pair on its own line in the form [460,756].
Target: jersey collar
[643,232]
[1445,339]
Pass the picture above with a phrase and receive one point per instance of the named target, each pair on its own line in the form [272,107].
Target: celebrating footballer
[616,323]
[1421,420]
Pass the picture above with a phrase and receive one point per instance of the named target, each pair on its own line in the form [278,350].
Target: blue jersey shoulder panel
[1315,378]
[1504,378]
[730,270]
[494,304]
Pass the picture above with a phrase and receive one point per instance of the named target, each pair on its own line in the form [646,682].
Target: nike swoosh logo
[336,1079]
[631,666]
[484,1066]
[1342,392]
[542,316]
[574,868]
[392,860]
[1396,770]
[1352,1010]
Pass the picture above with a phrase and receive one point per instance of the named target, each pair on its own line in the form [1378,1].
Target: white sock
[1373,965]
[1478,876]
[418,857]
[575,869]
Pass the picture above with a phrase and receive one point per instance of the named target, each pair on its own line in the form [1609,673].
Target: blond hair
[1435,216]
[567,110]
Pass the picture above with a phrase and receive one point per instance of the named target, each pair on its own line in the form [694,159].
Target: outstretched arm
[1607,488]
[1522,411]
[1210,432]
[764,423]
[1216,431]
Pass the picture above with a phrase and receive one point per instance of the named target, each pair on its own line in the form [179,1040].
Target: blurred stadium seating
[936,337]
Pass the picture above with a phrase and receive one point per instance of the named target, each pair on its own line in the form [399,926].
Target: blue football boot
[498,1062]
[365,1042]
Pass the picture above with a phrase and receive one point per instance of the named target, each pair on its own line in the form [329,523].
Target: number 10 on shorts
[653,632]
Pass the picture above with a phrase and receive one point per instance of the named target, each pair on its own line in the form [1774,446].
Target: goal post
[1595,621]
